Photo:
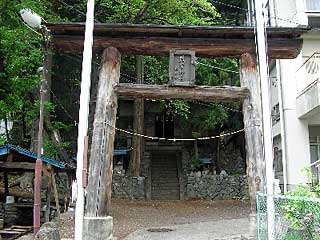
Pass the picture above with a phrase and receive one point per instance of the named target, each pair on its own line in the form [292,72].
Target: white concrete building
[296,94]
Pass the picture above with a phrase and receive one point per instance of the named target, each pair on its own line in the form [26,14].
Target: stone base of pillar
[98,228]
[253,228]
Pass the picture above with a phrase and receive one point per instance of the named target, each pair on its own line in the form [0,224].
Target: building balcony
[308,88]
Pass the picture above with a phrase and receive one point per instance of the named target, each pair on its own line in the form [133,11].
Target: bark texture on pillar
[101,157]
[252,114]
[138,124]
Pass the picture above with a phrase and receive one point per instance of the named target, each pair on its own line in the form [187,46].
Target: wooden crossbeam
[17,165]
[158,40]
[160,46]
[200,93]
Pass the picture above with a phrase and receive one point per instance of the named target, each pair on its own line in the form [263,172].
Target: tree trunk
[218,164]
[101,156]
[55,192]
[55,137]
[7,129]
[252,116]
[196,150]
[138,124]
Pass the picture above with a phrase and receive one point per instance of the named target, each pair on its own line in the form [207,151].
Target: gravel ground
[216,230]
[132,215]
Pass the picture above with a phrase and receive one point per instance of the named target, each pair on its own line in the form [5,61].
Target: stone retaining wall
[217,187]
[128,187]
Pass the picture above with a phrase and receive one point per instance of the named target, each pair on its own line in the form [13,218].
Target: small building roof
[4,150]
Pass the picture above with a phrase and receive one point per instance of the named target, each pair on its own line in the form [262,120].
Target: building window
[164,125]
[277,155]
[315,156]
[314,22]
[313,5]
[278,167]
[275,114]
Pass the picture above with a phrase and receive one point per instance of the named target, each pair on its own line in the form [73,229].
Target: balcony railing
[312,5]
[309,73]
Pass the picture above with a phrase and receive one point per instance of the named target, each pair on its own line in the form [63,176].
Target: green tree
[21,55]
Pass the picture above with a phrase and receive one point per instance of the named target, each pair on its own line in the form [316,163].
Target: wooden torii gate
[208,42]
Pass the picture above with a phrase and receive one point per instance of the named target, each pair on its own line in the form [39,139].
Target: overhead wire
[76,10]
[218,68]
[216,105]
[247,10]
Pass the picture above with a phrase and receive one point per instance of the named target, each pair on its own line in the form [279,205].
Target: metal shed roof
[4,149]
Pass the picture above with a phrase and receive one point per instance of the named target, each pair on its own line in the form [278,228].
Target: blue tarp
[4,149]
[206,160]
[116,152]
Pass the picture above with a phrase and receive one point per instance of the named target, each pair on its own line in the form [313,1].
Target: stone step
[165,189]
[161,161]
[155,170]
[169,168]
[164,165]
[165,178]
[163,170]
[166,197]
[166,185]
[165,192]
[158,159]
[164,173]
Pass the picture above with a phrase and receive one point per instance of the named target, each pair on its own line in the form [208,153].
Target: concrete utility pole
[83,116]
[38,166]
[266,108]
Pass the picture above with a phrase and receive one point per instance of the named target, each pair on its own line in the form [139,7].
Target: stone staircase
[164,176]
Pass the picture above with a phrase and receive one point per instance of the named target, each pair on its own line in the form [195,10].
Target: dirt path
[129,216]
[132,215]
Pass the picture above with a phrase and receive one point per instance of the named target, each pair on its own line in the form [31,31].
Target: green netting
[295,218]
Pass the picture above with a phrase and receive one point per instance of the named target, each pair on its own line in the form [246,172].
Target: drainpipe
[283,127]
[282,117]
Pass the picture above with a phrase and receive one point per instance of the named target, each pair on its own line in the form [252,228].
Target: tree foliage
[21,55]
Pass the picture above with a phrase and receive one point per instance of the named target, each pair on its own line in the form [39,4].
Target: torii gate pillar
[97,222]
[252,118]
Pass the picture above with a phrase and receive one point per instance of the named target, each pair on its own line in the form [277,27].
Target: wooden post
[101,157]
[48,198]
[6,183]
[138,124]
[252,114]
[55,192]
[47,172]
[5,175]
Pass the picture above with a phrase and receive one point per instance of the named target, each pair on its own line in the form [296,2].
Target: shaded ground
[131,215]
[235,229]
